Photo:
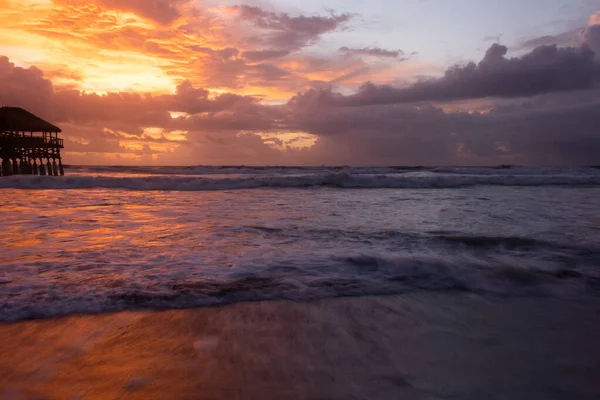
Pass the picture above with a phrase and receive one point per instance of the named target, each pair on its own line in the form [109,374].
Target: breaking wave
[356,274]
[342,180]
[292,170]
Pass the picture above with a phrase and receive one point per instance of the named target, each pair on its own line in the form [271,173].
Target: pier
[28,144]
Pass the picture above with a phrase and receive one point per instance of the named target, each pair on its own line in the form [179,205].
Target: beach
[412,346]
[299,200]
[300,283]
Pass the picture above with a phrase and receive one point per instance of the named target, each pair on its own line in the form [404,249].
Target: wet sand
[418,346]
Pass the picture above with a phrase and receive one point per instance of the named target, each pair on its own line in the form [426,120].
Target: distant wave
[340,180]
[293,170]
[238,170]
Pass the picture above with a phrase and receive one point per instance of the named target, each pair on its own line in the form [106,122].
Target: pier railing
[31,140]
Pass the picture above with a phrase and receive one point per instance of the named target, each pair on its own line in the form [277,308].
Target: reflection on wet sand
[408,347]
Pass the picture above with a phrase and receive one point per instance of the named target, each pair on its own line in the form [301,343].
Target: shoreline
[413,346]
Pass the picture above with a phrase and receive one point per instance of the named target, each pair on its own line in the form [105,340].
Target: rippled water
[78,244]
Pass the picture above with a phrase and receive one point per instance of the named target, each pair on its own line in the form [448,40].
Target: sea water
[114,238]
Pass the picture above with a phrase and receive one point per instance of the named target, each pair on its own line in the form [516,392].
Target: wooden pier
[28,144]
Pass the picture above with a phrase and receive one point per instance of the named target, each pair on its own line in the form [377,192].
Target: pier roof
[18,120]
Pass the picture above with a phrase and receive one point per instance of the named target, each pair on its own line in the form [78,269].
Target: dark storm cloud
[373,52]
[545,69]
[558,128]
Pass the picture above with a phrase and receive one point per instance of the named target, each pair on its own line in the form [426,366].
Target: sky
[288,82]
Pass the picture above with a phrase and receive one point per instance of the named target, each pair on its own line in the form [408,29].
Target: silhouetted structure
[25,139]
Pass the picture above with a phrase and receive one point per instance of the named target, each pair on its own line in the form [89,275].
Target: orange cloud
[153,45]
[144,80]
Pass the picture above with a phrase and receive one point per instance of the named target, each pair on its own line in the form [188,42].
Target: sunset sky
[366,82]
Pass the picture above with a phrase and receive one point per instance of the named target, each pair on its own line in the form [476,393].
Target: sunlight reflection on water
[108,249]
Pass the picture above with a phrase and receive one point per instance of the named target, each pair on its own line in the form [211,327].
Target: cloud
[560,39]
[493,38]
[591,34]
[196,100]
[373,52]
[237,74]
[584,35]
[132,112]
[592,38]
[285,32]
[262,55]
[151,46]
[545,69]
[558,128]
[543,116]
[161,11]
[228,148]
[215,127]
[594,19]
[350,75]
[25,87]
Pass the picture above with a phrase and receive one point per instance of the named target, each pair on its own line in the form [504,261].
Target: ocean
[133,238]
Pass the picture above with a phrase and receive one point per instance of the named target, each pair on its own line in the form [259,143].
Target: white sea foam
[294,275]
